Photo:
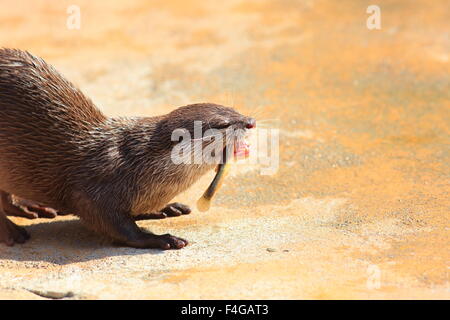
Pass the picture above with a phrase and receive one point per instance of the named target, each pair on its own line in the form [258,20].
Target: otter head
[185,144]
[206,133]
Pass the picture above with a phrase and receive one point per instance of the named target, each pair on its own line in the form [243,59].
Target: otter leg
[11,233]
[149,240]
[122,229]
[15,206]
[171,210]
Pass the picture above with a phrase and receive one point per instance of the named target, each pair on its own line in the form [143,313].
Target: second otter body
[57,148]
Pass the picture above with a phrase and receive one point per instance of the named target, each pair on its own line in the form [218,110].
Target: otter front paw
[15,206]
[167,241]
[171,210]
[10,233]
[153,241]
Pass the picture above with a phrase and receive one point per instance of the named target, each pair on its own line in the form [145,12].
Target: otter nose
[251,123]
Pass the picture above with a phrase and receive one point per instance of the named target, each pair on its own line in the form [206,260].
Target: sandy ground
[359,206]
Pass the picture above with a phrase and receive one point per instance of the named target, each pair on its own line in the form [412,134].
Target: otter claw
[14,206]
[153,241]
[168,241]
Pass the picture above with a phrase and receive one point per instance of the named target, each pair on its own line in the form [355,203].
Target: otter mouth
[241,149]
[241,144]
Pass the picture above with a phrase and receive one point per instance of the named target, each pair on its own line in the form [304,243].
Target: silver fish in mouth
[241,150]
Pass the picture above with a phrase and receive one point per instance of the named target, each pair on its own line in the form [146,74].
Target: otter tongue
[241,150]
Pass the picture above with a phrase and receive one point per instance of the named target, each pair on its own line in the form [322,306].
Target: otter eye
[223,124]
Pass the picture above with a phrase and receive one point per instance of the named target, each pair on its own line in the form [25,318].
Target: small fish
[204,203]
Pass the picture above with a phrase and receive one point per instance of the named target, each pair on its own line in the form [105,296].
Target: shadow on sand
[65,242]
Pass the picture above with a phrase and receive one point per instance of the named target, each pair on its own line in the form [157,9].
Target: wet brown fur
[56,147]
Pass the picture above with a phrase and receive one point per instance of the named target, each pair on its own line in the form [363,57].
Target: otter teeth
[241,149]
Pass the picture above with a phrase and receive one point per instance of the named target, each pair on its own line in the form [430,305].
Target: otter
[60,153]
